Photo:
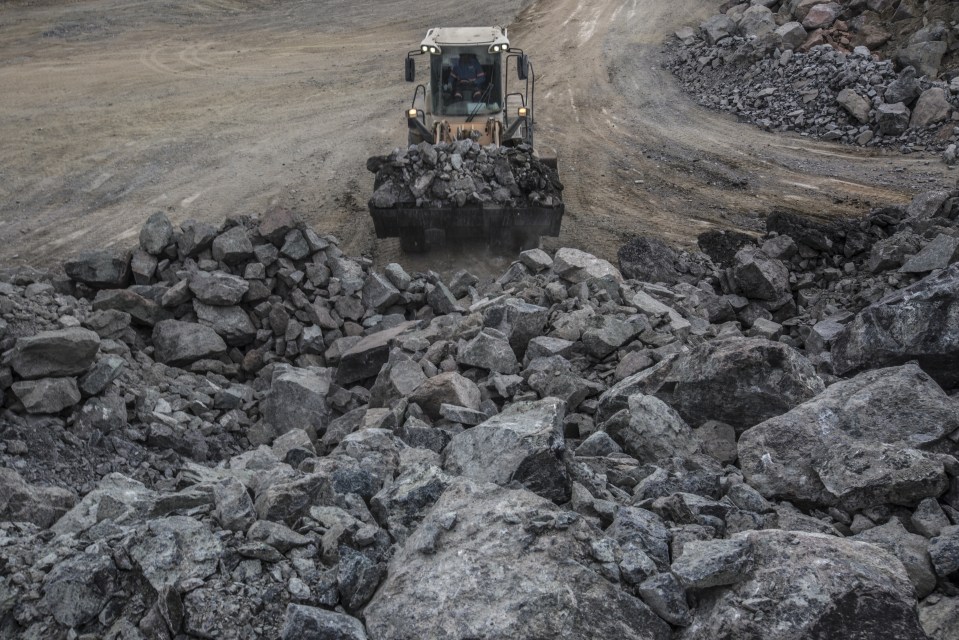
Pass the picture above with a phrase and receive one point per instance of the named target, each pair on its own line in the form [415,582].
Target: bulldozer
[470,169]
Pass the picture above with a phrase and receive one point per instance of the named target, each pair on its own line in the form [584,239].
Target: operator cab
[463,96]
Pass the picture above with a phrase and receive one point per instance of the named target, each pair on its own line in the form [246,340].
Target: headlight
[433,49]
[522,111]
[411,114]
[495,48]
[424,48]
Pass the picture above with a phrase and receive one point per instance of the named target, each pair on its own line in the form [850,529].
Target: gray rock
[234,506]
[379,293]
[644,530]
[397,276]
[182,343]
[142,310]
[924,56]
[286,501]
[47,395]
[440,297]
[758,276]
[938,254]
[156,233]
[78,588]
[932,106]
[911,324]
[295,246]
[105,371]
[665,596]
[741,381]
[23,502]
[195,238]
[400,507]
[298,400]
[604,334]
[903,89]
[911,549]
[793,35]
[848,446]
[821,16]
[575,266]
[357,578]
[518,320]
[718,440]
[277,535]
[488,352]
[713,563]
[717,28]
[648,260]
[650,431]
[233,324]
[940,617]
[531,546]
[275,224]
[598,444]
[63,352]
[218,288]
[857,106]
[757,21]
[536,259]
[812,586]
[233,246]
[929,519]
[171,550]
[365,358]
[446,388]
[143,266]
[399,378]
[523,445]
[309,623]
[893,119]
[100,269]
[462,415]
[944,552]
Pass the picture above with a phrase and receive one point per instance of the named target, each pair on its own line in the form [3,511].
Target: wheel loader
[474,111]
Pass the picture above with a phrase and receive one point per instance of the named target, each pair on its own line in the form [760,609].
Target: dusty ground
[115,109]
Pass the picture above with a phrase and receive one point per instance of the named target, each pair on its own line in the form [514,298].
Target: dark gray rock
[365,358]
[938,254]
[233,324]
[23,502]
[758,276]
[849,445]
[649,260]
[944,552]
[47,395]
[524,445]
[741,381]
[518,320]
[171,550]
[234,506]
[650,431]
[812,586]
[379,293]
[182,343]
[78,588]
[298,400]
[915,323]
[100,269]
[713,563]
[63,352]
[156,233]
[911,549]
[665,596]
[309,623]
[195,238]
[446,388]
[218,288]
[531,546]
[100,375]
[233,246]
[488,352]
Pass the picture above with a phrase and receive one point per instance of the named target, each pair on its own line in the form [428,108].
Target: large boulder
[741,381]
[924,56]
[297,400]
[910,548]
[760,277]
[524,445]
[446,388]
[857,106]
[793,35]
[916,323]
[365,358]
[807,585]
[156,233]
[180,344]
[78,588]
[932,106]
[63,352]
[649,260]
[650,431]
[717,28]
[489,562]
[218,288]
[22,502]
[757,21]
[854,444]
[100,269]
[310,623]
[821,16]
[575,266]
[233,324]
[47,395]
[893,119]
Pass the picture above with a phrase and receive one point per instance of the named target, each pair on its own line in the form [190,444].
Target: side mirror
[410,69]
[522,66]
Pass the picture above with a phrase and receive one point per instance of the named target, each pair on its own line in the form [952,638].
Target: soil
[214,108]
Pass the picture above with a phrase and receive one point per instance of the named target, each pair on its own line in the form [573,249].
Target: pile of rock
[274,440]
[779,71]
[463,173]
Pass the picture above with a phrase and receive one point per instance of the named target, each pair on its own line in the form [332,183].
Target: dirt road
[220,107]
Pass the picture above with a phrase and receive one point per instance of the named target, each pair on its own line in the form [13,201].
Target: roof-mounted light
[424,48]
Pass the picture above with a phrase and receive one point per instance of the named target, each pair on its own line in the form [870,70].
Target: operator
[468,77]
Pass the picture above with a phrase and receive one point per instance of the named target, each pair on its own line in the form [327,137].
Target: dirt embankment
[211,109]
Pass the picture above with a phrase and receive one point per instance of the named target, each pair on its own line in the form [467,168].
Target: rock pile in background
[463,173]
[242,432]
[810,67]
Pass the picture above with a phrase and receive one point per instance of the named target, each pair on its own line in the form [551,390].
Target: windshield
[465,81]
